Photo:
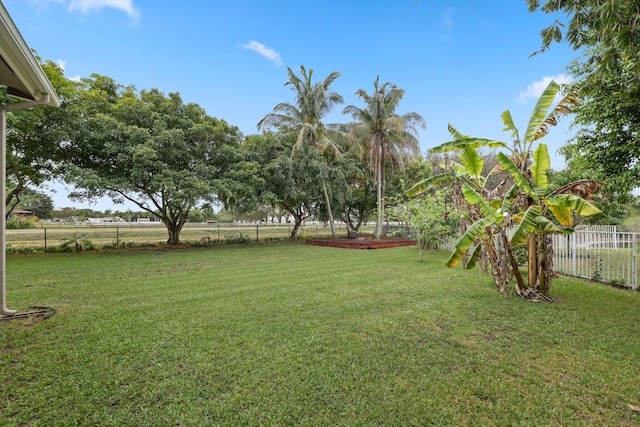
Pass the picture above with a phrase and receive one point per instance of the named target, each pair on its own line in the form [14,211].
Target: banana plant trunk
[532,260]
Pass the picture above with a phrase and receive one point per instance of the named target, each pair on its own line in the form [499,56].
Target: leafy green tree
[384,135]
[435,220]
[610,26]
[304,117]
[608,78]
[40,204]
[150,149]
[288,184]
[608,138]
[33,138]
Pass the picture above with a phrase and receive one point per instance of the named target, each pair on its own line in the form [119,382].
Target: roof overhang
[19,70]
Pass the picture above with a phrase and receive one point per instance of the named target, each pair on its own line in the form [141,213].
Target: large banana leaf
[533,221]
[519,179]
[562,214]
[455,133]
[474,198]
[426,184]
[528,224]
[458,144]
[541,164]
[509,125]
[562,108]
[472,234]
[573,202]
[472,162]
[474,257]
[540,112]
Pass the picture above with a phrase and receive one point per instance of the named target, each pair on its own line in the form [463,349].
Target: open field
[290,334]
[51,235]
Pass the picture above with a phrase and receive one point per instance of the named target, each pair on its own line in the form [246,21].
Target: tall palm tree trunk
[378,230]
[380,206]
[328,202]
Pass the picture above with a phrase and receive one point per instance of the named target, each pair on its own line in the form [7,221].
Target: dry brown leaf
[634,408]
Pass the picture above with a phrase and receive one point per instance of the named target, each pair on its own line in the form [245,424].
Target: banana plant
[488,234]
[542,208]
[528,203]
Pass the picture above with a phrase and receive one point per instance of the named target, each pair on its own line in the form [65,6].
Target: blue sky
[460,61]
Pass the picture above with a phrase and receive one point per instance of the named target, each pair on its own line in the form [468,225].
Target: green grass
[153,234]
[289,334]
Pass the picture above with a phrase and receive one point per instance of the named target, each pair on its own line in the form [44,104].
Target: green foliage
[608,138]
[19,222]
[304,119]
[38,203]
[435,219]
[611,26]
[240,238]
[34,138]
[120,245]
[76,243]
[154,150]
[385,136]
[291,184]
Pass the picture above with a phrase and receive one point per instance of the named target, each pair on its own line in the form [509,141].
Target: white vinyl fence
[598,253]
[594,252]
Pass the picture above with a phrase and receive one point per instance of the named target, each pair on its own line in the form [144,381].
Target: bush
[237,238]
[436,221]
[16,223]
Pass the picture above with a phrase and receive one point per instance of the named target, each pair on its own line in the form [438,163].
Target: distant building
[20,213]
[104,220]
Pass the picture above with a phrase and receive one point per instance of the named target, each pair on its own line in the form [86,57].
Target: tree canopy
[148,148]
[611,26]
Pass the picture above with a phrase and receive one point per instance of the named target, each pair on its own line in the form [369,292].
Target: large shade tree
[610,26]
[386,137]
[285,184]
[33,137]
[608,76]
[150,149]
[304,118]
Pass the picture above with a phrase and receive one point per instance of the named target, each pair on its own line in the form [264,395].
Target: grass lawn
[289,334]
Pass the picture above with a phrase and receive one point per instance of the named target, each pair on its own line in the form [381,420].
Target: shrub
[237,238]
[21,222]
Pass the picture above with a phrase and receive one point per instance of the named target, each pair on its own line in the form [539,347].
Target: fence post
[634,274]
[572,245]
[117,236]
[218,233]
[45,240]
[257,233]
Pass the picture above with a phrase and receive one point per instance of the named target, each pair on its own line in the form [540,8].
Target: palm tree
[313,101]
[383,134]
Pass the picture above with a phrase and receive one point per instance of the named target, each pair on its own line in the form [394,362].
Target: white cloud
[268,53]
[62,64]
[446,17]
[86,6]
[535,89]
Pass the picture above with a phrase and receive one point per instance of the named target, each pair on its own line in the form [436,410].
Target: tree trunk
[296,228]
[174,226]
[379,208]
[378,230]
[545,266]
[328,202]
[532,260]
